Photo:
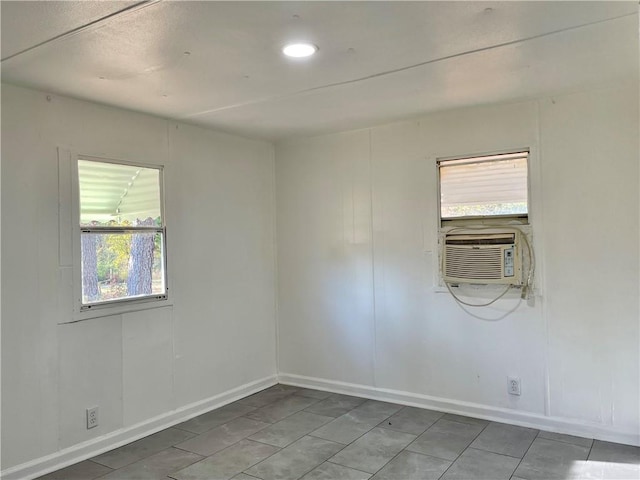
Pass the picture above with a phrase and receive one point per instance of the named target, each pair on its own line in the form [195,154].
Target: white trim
[96,446]
[525,419]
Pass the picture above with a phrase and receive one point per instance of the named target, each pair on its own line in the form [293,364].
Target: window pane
[484,186]
[119,195]
[121,265]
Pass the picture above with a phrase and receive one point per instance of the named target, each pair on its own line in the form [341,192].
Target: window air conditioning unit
[482,258]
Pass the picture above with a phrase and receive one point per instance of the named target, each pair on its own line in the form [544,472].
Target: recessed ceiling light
[299,50]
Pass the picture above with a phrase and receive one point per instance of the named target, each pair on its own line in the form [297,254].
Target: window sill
[114,310]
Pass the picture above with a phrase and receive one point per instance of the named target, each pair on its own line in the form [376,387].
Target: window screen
[487,186]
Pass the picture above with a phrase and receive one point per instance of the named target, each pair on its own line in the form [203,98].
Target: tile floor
[289,433]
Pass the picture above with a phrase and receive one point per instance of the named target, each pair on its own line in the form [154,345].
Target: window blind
[484,186]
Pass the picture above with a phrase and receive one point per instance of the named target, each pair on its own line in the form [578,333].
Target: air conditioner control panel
[509,255]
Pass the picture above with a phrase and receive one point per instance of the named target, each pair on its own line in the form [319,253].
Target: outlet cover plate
[92,417]
[513,385]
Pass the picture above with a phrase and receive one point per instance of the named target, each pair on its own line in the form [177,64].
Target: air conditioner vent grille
[474,264]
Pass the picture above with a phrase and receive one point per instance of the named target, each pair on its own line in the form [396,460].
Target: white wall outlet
[513,385]
[92,417]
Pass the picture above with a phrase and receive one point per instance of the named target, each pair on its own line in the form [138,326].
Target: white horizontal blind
[484,186]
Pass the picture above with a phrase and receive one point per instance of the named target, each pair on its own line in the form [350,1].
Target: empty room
[334,240]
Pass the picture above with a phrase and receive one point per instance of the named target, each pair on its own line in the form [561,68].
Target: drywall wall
[359,305]
[216,334]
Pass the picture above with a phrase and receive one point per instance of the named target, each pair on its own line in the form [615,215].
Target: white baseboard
[567,426]
[104,443]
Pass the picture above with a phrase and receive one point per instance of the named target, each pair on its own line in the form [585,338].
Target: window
[122,232]
[485,186]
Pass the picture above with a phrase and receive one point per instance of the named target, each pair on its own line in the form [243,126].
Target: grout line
[593,442]
[427,455]
[525,454]
[270,444]
[189,451]
[344,445]
[186,466]
[462,422]
[352,468]
[565,442]
[397,454]
[226,448]
[280,449]
[465,449]
[477,449]
[257,478]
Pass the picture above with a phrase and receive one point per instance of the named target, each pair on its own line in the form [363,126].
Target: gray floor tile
[505,439]
[221,437]
[332,471]
[319,394]
[480,465]
[281,409]
[561,437]
[462,419]
[143,448]
[290,429]
[614,452]
[215,418]
[348,427]
[86,470]
[412,420]
[373,450]
[382,409]
[156,466]
[295,460]
[283,387]
[351,438]
[445,439]
[336,405]
[413,466]
[228,462]
[548,460]
[265,397]
[609,471]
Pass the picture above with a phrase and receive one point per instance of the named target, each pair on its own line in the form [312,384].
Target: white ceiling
[378,61]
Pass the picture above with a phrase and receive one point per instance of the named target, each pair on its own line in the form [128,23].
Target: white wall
[357,253]
[357,249]
[219,331]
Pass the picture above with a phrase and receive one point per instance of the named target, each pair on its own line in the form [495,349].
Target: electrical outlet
[92,417]
[513,385]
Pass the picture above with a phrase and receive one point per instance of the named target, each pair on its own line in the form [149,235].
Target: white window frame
[112,307]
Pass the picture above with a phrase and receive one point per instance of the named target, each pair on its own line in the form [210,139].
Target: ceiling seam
[400,69]
[130,9]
